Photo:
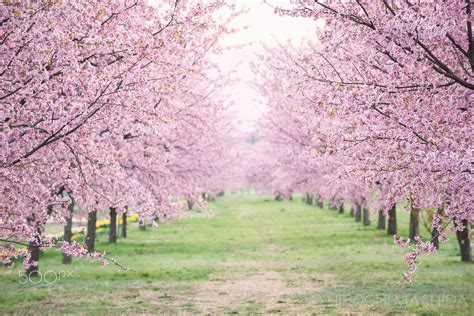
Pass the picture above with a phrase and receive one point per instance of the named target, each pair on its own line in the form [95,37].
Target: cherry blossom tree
[383,99]
[111,102]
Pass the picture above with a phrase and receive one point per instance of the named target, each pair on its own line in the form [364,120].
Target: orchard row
[377,111]
[110,105]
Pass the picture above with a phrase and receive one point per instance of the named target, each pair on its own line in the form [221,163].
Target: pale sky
[263,26]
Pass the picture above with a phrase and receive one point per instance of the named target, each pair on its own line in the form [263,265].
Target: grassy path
[251,255]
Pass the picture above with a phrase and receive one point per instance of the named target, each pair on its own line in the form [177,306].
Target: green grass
[251,255]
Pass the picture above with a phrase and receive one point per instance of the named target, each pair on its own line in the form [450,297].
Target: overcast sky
[262,26]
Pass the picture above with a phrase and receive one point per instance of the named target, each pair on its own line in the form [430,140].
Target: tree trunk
[381,221]
[34,251]
[357,214]
[464,242]
[392,221]
[434,231]
[68,229]
[67,237]
[113,225]
[33,248]
[91,226]
[141,224]
[320,202]
[124,225]
[434,238]
[414,223]
[366,216]
[190,204]
[351,213]
[341,209]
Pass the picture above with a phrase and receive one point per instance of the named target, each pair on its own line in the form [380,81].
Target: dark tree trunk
[414,223]
[320,203]
[67,237]
[381,220]
[464,242]
[434,231]
[309,199]
[91,226]
[434,238]
[68,229]
[124,226]
[141,224]
[392,220]
[351,213]
[279,197]
[366,216]
[341,209]
[190,204]
[113,225]
[34,250]
[291,197]
[33,246]
[221,194]
[358,212]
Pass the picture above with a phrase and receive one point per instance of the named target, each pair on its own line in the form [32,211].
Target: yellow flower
[102,222]
[133,218]
[75,236]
